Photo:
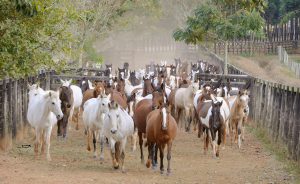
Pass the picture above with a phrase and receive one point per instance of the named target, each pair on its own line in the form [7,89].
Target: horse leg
[88,139]
[48,136]
[150,154]
[154,153]
[112,152]
[224,130]
[118,151]
[76,118]
[169,147]
[212,139]
[134,139]
[161,154]
[239,132]
[37,141]
[122,156]
[101,147]
[221,138]
[59,128]
[200,129]
[243,127]
[141,146]
[43,141]
[206,141]
[94,143]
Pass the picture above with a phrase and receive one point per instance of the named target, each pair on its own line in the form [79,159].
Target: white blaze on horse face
[244,99]
[54,104]
[164,122]
[131,108]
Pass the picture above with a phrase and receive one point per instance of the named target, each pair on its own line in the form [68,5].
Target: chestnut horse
[142,109]
[161,130]
[238,112]
[93,93]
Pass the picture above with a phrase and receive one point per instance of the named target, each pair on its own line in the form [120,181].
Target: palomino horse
[142,109]
[118,125]
[184,103]
[43,112]
[238,113]
[93,117]
[77,96]
[93,93]
[67,100]
[212,117]
[161,130]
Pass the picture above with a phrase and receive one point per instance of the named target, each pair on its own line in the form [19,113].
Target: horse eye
[118,116]
[53,103]
[103,104]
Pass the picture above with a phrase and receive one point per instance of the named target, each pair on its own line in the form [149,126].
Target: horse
[122,73]
[77,96]
[93,117]
[133,79]
[148,87]
[44,109]
[184,103]
[67,100]
[238,114]
[161,130]
[93,93]
[142,109]
[212,118]
[117,126]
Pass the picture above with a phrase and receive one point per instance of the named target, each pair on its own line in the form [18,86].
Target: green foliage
[222,20]
[91,52]
[33,35]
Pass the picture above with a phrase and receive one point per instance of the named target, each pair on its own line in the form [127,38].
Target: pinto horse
[142,109]
[67,100]
[161,130]
[212,118]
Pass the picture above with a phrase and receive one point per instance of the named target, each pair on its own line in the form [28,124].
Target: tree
[223,20]
[32,34]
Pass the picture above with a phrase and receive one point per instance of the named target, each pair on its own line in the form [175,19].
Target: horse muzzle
[59,117]
[113,131]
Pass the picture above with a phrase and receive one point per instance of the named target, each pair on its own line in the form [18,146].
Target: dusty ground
[71,163]
[267,67]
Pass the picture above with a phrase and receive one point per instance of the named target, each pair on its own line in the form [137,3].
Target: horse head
[66,97]
[216,118]
[243,98]
[54,103]
[158,97]
[113,117]
[104,102]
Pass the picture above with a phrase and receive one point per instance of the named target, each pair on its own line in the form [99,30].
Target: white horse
[129,87]
[118,125]
[184,101]
[44,109]
[34,90]
[77,95]
[93,117]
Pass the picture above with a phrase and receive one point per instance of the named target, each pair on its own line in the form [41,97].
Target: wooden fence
[286,35]
[284,58]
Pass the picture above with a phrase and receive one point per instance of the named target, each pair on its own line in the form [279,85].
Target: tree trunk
[226,58]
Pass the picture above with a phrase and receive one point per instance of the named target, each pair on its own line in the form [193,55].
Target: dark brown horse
[142,109]
[66,97]
[148,87]
[161,130]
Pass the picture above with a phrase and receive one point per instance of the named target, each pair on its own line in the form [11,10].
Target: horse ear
[62,81]
[70,81]
[50,94]
[221,103]
[28,86]
[108,96]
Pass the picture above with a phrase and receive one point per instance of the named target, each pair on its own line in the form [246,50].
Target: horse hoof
[101,158]
[116,167]
[161,171]
[148,163]
[95,157]
[217,155]
[168,172]
[154,167]
[89,149]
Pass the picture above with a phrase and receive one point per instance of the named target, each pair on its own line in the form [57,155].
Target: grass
[279,150]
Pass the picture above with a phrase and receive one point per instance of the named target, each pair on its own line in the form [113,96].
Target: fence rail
[284,58]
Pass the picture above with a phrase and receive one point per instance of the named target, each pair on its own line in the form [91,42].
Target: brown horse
[161,130]
[142,109]
[93,93]
[148,87]
[66,97]
[119,98]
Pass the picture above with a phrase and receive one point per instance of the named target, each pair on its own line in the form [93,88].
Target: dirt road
[71,163]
